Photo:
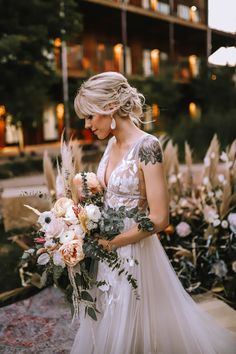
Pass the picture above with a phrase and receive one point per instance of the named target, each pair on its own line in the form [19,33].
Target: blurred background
[180,54]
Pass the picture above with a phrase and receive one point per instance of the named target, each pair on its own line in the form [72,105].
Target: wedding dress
[165,319]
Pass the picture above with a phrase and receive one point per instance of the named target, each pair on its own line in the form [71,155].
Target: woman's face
[99,124]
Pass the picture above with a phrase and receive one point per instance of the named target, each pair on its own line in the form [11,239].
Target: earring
[113,123]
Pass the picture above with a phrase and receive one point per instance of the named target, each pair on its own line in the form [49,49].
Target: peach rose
[93,183]
[72,252]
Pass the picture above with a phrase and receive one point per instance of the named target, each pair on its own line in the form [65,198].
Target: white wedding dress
[165,320]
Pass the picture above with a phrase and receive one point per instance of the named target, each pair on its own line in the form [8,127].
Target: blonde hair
[109,93]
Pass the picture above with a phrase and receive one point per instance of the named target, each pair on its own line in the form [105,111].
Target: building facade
[139,38]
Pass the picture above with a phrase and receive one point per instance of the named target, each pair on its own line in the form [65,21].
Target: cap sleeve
[150,150]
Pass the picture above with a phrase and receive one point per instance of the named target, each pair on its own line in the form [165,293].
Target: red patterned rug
[40,324]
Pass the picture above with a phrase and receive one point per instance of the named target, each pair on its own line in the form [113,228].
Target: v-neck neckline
[120,162]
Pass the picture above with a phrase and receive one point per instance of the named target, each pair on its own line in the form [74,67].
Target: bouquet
[66,244]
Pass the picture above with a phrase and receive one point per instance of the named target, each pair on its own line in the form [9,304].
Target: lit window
[2,110]
[155,112]
[57,42]
[153,5]
[60,111]
[194,111]
[193,65]
[155,61]
[119,60]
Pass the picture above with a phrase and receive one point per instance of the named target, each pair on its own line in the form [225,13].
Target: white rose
[43,259]
[224,224]
[57,259]
[93,212]
[183,229]
[70,215]
[61,206]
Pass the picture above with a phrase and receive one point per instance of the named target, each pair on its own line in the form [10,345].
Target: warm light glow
[213,77]
[155,60]
[155,110]
[60,111]
[193,8]
[153,4]
[57,42]
[2,110]
[223,56]
[155,54]
[193,64]
[194,111]
[118,49]
[101,47]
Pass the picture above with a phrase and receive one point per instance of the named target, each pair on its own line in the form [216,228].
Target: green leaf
[92,313]
[86,296]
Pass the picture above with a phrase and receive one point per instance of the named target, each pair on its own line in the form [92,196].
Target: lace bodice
[126,183]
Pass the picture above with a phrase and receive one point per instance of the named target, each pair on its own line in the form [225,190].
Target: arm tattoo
[150,151]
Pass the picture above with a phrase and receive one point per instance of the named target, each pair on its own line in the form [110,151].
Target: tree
[27,66]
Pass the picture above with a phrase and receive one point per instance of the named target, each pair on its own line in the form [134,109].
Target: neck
[125,132]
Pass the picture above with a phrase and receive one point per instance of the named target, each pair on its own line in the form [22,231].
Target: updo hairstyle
[109,93]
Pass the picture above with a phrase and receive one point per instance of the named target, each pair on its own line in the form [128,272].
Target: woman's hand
[107,245]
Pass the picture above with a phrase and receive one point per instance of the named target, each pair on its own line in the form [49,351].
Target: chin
[102,136]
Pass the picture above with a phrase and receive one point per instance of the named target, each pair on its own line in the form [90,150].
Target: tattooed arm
[151,158]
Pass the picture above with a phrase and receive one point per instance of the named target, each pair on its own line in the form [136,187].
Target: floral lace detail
[124,183]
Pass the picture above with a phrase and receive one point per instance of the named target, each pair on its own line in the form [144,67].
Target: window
[145,4]
[183,12]
[163,8]
[119,60]
[151,62]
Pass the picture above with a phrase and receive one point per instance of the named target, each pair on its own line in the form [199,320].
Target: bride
[165,319]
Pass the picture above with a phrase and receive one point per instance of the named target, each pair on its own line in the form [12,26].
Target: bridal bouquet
[66,243]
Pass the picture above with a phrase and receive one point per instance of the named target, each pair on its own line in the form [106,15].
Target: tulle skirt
[164,320]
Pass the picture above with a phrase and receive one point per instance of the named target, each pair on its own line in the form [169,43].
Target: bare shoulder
[150,150]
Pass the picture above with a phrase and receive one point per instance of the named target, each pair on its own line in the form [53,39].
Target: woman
[164,320]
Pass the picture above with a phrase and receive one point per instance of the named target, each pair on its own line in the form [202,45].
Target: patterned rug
[40,324]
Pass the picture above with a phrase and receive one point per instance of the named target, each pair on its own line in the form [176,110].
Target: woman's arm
[151,160]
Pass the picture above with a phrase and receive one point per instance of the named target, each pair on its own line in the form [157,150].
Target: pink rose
[72,252]
[93,183]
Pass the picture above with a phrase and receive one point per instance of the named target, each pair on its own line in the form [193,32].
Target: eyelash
[90,117]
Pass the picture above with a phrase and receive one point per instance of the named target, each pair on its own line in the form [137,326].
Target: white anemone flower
[43,259]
